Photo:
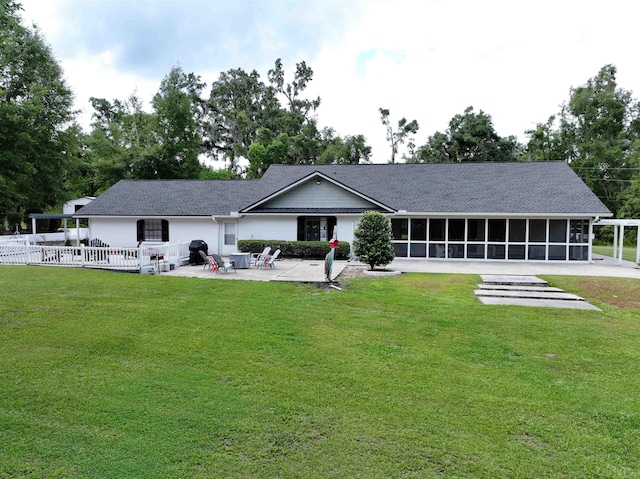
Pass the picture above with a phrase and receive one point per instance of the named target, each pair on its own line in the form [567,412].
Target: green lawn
[628,252]
[112,375]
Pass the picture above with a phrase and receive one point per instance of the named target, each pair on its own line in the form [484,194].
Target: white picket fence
[145,258]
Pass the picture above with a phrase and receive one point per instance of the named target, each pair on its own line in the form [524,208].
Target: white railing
[145,258]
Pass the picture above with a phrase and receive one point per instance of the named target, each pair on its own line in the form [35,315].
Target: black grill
[194,247]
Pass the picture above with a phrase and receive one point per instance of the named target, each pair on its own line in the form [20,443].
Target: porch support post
[615,242]
[621,239]
[590,248]
[77,232]
[638,245]
[33,229]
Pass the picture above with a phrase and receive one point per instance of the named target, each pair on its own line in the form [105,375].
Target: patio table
[240,260]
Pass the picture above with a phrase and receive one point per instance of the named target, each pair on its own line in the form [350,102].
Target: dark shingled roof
[501,188]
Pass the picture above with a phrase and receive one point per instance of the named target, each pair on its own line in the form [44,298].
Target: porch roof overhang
[311,211]
[491,214]
[52,216]
[618,222]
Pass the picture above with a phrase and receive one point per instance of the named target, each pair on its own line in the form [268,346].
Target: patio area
[312,271]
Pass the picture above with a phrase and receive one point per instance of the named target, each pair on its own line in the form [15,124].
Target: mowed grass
[628,252]
[118,375]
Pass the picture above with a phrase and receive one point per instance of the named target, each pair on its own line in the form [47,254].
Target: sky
[426,60]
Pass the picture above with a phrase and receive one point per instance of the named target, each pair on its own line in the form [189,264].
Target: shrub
[372,240]
[295,249]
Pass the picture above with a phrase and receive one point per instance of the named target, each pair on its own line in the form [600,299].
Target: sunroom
[471,238]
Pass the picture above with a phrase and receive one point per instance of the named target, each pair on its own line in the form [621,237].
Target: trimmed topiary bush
[372,242]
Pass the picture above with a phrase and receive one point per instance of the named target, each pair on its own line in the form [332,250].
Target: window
[537,252]
[557,231]
[456,230]
[419,230]
[517,231]
[152,230]
[436,250]
[455,251]
[229,233]
[314,228]
[475,251]
[400,228]
[516,251]
[476,230]
[400,249]
[418,250]
[557,252]
[497,231]
[579,231]
[578,253]
[537,231]
[497,251]
[436,230]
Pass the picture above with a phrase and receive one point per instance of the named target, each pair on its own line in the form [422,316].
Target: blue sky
[423,59]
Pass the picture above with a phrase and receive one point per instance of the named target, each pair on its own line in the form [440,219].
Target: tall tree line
[37,137]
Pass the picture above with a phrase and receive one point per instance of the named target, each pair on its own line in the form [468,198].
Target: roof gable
[315,191]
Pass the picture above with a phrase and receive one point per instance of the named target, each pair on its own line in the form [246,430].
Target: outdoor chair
[269,261]
[258,258]
[222,264]
[209,261]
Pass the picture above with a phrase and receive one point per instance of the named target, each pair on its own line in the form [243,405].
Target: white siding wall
[69,207]
[184,230]
[123,231]
[114,231]
[276,227]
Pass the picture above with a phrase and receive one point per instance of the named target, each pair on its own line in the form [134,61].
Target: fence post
[140,260]
[82,255]
[27,252]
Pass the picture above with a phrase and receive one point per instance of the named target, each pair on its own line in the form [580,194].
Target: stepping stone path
[526,291]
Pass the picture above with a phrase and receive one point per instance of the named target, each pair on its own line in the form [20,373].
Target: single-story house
[495,211]
[71,206]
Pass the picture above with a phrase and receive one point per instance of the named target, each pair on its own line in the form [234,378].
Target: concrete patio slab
[294,270]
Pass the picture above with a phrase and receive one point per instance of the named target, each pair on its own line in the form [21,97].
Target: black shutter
[301,235]
[140,228]
[165,230]
[331,223]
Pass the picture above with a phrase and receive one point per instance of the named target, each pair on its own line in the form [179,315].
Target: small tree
[372,240]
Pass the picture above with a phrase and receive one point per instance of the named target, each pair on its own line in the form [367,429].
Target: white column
[621,239]
[33,230]
[638,245]
[615,242]
[590,243]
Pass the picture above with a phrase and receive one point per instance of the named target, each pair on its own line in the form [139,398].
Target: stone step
[509,287]
[516,280]
[541,303]
[554,295]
